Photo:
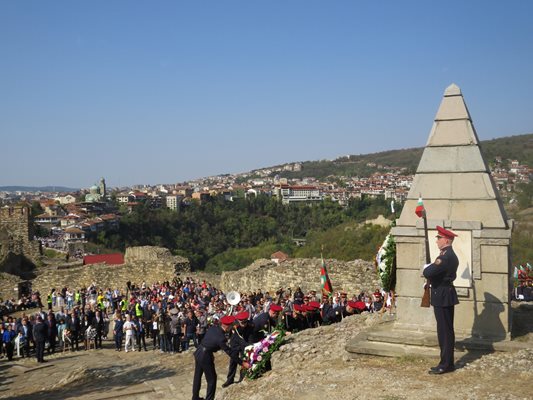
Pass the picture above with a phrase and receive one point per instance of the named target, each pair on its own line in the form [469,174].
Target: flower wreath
[386,263]
[258,354]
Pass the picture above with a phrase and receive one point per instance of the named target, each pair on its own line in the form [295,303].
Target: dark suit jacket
[29,333]
[73,325]
[441,273]
[98,325]
[40,332]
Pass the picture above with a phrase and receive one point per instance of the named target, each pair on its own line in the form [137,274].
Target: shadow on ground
[98,380]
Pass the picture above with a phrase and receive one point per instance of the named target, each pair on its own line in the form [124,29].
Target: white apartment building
[174,201]
[292,194]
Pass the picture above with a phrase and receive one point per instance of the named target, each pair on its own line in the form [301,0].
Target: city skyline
[170,92]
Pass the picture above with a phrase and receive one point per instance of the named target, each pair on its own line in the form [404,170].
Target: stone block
[412,316]
[399,231]
[464,225]
[452,108]
[487,320]
[451,160]
[494,234]
[472,186]
[492,287]
[408,256]
[494,259]
[486,211]
[410,283]
[452,133]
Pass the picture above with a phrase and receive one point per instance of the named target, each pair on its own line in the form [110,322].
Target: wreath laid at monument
[385,261]
[258,354]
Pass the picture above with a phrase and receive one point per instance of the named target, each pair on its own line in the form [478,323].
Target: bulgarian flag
[327,289]
[419,210]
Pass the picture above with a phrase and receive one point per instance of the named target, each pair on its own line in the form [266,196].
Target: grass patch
[410,359]
[51,253]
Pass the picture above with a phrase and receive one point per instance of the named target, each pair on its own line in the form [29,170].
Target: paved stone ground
[311,365]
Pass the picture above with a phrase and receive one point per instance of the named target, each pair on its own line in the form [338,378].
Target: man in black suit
[441,274]
[40,331]
[27,333]
[74,327]
[98,325]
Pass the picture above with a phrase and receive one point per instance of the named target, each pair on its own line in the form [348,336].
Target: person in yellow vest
[138,309]
[49,300]
[123,304]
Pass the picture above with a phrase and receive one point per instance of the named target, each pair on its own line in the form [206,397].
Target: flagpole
[426,296]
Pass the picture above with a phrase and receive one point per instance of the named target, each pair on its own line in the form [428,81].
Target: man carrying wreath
[214,340]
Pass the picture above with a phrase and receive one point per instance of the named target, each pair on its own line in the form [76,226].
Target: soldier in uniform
[313,316]
[296,321]
[338,313]
[238,341]
[265,321]
[441,273]
[214,340]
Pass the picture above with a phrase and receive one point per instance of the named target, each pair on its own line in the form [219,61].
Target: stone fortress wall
[18,251]
[15,231]
[149,264]
[351,277]
[153,264]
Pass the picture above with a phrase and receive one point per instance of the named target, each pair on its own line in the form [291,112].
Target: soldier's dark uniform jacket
[296,322]
[239,339]
[441,273]
[214,340]
[263,322]
[337,314]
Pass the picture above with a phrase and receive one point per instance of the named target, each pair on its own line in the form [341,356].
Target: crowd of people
[170,317]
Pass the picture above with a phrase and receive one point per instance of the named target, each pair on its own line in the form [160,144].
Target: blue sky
[166,91]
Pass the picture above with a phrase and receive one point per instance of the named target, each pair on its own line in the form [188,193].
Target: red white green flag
[327,289]
[419,210]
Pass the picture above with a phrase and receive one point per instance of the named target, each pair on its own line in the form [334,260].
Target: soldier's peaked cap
[242,316]
[227,320]
[445,233]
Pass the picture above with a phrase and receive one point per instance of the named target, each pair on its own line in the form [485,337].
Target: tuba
[233,299]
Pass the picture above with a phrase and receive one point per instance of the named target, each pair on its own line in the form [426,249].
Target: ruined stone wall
[113,276]
[8,285]
[16,233]
[144,256]
[351,277]
[148,264]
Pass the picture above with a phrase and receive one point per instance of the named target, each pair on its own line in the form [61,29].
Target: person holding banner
[442,272]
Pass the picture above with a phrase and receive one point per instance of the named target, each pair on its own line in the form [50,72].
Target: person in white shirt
[129,330]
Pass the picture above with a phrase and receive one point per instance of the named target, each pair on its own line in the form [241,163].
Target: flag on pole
[327,289]
[419,210]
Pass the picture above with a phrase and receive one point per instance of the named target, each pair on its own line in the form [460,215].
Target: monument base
[391,339]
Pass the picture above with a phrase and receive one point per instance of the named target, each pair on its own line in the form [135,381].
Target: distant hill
[60,189]
[518,147]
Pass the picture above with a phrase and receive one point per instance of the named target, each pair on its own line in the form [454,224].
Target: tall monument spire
[452,176]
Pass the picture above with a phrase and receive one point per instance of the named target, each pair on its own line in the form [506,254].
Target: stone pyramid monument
[459,194]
